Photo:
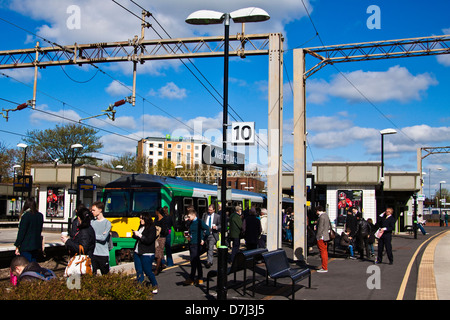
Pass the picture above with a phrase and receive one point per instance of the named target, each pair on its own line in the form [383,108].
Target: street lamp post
[176,169]
[383,133]
[73,147]
[16,166]
[441,224]
[205,17]
[25,147]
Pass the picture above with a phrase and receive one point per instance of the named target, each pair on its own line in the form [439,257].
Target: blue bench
[277,266]
[243,260]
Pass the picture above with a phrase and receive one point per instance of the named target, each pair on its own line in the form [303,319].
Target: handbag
[332,234]
[79,264]
[379,233]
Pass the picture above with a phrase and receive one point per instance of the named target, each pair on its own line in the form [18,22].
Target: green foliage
[55,143]
[129,161]
[113,286]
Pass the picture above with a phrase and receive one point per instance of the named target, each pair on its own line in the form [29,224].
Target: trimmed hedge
[113,286]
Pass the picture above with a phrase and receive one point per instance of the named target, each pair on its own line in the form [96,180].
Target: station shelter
[340,185]
[58,189]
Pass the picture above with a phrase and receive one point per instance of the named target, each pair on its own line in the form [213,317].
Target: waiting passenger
[347,242]
[29,271]
[84,236]
[144,250]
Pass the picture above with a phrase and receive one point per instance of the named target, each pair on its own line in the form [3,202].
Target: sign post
[216,156]
[243,133]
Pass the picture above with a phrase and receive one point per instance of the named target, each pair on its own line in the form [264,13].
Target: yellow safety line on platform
[426,282]
[402,289]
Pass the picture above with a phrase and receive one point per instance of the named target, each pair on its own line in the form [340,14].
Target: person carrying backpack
[29,271]
[362,236]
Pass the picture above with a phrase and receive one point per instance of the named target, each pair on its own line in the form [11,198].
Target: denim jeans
[143,264]
[30,255]
[350,247]
[168,247]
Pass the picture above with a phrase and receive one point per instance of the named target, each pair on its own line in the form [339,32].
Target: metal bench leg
[293,290]
[245,282]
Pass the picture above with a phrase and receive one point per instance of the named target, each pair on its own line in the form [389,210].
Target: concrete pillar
[275,141]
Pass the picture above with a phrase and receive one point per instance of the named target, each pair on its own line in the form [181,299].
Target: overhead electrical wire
[260,141]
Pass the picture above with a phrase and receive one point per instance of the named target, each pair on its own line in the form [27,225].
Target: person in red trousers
[323,236]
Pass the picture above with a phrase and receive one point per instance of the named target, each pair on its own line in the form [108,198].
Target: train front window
[144,201]
[116,203]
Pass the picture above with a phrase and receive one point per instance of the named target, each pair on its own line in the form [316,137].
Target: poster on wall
[55,202]
[346,200]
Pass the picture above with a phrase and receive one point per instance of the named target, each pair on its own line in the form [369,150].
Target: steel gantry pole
[275,141]
[300,244]
[377,50]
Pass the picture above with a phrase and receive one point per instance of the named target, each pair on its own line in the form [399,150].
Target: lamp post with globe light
[206,17]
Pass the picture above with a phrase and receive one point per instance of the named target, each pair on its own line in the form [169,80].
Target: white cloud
[117,89]
[125,122]
[43,113]
[341,138]
[172,91]
[21,74]
[103,21]
[395,84]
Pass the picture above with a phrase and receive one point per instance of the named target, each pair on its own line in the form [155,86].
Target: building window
[169,146]
[188,158]
[178,146]
[159,153]
[160,145]
[169,155]
[178,158]
[151,145]
[188,147]
[150,153]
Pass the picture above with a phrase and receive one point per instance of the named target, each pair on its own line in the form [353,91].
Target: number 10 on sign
[243,133]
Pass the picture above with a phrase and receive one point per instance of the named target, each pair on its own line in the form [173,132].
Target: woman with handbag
[83,241]
[144,250]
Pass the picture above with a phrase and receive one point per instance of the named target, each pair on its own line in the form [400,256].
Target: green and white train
[128,196]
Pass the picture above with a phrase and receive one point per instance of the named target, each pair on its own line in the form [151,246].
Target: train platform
[421,271]
[8,237]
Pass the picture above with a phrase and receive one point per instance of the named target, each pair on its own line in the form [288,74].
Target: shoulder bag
[79,264]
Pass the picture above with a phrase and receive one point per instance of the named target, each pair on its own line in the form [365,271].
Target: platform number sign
[243,133]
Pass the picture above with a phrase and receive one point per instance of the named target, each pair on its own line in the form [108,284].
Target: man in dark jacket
[198,233]
[252,230]
[387,223]
[362,236]
[235,231]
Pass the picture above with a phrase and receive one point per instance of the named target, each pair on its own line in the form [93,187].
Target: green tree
[7,160]
[50,144]
[129,161]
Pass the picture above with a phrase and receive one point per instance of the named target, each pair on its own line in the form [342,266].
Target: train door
[202,206]
[179,208]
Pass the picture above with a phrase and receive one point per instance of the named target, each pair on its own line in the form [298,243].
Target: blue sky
[410,95]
